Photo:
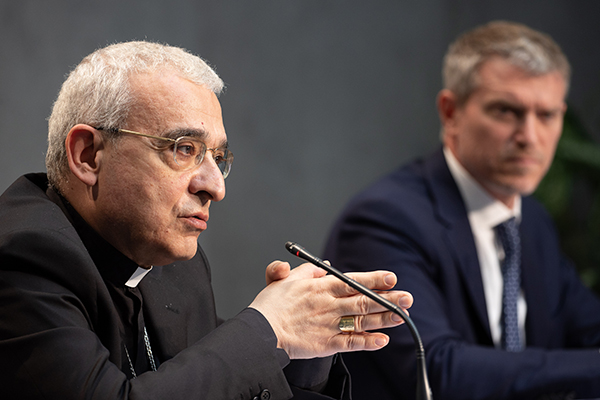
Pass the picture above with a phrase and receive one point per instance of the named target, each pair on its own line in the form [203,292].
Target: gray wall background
[323,97]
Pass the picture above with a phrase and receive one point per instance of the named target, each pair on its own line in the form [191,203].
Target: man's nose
[208,178]
[528,129]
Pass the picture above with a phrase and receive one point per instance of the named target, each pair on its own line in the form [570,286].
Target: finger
[362,305]
[276,271]
[358,341]
[375,280]
[363,323]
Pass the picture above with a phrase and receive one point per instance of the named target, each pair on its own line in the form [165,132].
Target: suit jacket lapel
[452,214]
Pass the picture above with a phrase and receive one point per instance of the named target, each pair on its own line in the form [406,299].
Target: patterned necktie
[508,232]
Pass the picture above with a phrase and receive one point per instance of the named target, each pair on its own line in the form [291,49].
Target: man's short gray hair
[534,52]
[98,93]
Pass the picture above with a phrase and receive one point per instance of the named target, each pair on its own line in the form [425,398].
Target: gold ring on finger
[346,324]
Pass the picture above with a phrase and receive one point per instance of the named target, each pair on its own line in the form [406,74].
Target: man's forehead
[169,90]
[498,70]
[174,106]
[511,83]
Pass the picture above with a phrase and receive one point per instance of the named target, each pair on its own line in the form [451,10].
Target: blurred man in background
[501,312]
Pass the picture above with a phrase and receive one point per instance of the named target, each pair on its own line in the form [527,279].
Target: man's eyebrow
[197,133]
[223,145]
[512,104]
[201,134]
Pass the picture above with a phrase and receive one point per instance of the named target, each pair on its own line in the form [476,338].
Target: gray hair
[97,92]
[533,51]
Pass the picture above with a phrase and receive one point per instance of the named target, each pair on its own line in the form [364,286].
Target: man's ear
[446,105]
[84,146]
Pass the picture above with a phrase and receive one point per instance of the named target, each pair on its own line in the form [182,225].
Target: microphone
[423,389]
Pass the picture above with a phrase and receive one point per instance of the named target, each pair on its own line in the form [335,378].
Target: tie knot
[510,223]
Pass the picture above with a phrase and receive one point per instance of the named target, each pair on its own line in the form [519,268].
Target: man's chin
[506,189]
[518,187]
[181,254]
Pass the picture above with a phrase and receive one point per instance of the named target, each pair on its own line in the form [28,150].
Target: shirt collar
[137,276]
[481,206]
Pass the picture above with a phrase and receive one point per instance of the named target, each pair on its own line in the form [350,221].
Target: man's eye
[505,112]
[547,115]
[219,156]
[502,110]
[187,149]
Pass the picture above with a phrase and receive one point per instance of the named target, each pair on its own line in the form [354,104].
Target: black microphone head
[295,249]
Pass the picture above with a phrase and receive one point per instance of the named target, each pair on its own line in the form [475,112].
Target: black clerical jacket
[62,329]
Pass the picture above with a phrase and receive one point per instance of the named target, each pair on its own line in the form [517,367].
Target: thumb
[277,271]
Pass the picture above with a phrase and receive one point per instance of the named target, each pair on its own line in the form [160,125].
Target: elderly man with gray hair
[502,313]
[104,289]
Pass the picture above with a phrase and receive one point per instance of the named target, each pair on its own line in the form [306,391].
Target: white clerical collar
[137,276]
[481,206]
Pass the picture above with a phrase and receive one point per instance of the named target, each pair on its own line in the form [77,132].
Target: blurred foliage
[571,193]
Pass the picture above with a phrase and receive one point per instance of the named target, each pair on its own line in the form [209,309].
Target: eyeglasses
[188,151]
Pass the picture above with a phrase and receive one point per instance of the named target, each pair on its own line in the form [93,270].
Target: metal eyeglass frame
[224,170]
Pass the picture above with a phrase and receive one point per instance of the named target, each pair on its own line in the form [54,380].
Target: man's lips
[198,221]
[524,159]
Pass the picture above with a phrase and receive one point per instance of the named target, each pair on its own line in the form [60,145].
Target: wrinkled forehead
[165,102]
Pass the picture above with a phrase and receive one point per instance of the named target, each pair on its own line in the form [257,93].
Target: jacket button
[265,395]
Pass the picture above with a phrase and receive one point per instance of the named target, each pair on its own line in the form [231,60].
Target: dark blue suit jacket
[414,222]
